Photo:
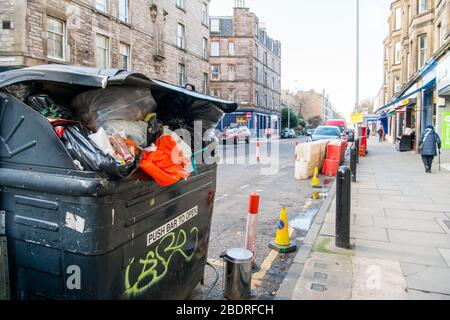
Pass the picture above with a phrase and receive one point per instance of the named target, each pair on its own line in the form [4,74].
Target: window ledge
[180,8]
[56,60]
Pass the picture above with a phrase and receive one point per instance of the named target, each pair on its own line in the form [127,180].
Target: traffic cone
[282,242]
[315,183]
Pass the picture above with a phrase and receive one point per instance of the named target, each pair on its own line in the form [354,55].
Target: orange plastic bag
[166,165]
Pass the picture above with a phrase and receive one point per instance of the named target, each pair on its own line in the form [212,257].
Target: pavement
[400,237]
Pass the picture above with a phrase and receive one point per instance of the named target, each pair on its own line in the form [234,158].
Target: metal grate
[318,287]
[321,275]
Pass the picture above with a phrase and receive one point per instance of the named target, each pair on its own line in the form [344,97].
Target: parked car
[341,124]
[235,135]
[326,132]
[288,134]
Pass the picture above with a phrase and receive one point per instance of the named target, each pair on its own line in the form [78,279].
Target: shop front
[257,122]
[443,108]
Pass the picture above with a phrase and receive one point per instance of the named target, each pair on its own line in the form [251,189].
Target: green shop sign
[446,130]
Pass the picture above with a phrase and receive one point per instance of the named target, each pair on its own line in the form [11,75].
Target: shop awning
[426,87]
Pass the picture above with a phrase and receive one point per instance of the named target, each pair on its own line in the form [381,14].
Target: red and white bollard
[252,222]
[258,158]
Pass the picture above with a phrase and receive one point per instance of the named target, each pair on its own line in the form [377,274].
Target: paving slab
[372,203]
[406,199]
[407,224]
[445,254]
[413,214]
[429,279]
[362,220]
[357,232]
[422,296]
[379,192]
[368,211]
[430,207]
[398,252]
[415,238]
[375,279]
[325,277]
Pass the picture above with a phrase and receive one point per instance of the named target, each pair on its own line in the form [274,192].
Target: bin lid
[238,255]
[101,78]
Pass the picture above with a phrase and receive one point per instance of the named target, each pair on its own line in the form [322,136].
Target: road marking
[267,264]
[244,187]
[216,263]
[220,198]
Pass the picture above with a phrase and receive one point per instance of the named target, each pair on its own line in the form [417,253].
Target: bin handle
[190,87]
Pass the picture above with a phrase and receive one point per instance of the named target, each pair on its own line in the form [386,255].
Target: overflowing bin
[76,233]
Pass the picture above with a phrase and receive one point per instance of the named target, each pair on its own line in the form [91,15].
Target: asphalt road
[238,176]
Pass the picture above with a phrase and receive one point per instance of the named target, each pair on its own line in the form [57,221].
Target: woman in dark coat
[429,143]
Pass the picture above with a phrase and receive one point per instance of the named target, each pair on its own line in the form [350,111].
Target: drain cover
[319,265]
[318,287]
[321,275]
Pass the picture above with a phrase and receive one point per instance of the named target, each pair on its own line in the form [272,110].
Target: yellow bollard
[282,241]
[315,183]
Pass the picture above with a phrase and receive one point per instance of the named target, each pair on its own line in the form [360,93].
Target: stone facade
[316,108]
[251,75]
[418,39]
[150,33]
[408,21]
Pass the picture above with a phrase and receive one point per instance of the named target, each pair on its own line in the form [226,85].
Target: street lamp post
[357,56]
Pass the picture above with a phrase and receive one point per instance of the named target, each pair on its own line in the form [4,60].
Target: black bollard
[343,207]
[353,163]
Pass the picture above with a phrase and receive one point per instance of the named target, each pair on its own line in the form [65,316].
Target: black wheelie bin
[74,234]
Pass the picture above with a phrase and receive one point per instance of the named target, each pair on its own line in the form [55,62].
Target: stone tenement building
[164,39]
[416,68]
[246,68]
[316,108]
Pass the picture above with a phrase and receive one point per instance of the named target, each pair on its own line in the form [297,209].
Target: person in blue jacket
[429,143]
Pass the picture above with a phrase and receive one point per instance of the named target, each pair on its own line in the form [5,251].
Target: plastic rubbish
[162,166]
[114,103]
[101,140]
[184,149]
[90,157]
[122,149]
[134,130]
[45,105]
[155,128]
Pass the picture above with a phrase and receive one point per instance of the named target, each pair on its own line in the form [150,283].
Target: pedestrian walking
[368,133]
[429,146]
[380,134]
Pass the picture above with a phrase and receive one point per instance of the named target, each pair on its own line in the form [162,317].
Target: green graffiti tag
[156,264]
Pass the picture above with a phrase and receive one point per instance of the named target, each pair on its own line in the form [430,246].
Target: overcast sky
[318,41]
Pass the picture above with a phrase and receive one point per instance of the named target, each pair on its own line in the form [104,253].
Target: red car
[236,135]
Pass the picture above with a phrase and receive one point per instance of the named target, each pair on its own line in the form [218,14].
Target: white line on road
[220,198]
[244,187]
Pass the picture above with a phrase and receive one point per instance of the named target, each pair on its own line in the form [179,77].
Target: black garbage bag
[76,139]
[46,106]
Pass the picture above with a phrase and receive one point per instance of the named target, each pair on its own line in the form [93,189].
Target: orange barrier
[330,167]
